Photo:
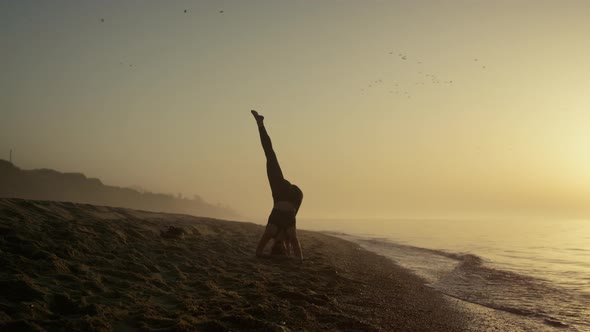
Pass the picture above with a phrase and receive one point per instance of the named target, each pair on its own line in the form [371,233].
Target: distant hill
[47,184]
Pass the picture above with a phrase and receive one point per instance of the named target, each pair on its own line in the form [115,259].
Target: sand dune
[72,266]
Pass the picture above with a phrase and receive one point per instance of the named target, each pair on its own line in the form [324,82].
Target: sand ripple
[80,267]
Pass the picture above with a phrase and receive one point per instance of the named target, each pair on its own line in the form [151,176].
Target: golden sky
[376,108]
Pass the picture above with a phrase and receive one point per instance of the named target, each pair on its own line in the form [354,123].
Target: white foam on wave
[471,278]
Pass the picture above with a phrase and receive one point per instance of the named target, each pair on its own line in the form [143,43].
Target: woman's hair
[278,248]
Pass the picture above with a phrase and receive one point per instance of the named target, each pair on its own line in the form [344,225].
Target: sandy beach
[73,266]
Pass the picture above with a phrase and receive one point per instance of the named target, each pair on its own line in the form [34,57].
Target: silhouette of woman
[287,198]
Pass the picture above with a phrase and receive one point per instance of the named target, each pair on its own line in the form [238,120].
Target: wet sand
[69,266]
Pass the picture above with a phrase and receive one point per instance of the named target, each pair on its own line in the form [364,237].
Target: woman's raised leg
[273,169]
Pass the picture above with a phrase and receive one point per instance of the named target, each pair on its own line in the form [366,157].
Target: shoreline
[85,267]
[480,316]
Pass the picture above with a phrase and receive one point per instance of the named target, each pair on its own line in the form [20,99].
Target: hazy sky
[375,108]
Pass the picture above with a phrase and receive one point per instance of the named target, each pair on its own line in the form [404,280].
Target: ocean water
[536,269]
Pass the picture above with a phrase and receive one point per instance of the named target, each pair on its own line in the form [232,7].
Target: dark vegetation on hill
[47,184]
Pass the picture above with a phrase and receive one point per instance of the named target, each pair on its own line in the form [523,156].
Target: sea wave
[472,278]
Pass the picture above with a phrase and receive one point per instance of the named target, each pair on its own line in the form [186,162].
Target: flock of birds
[398,89]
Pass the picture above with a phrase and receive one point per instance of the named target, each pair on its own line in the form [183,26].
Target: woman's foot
[259,118]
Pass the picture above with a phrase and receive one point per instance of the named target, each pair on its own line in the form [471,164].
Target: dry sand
[72,266]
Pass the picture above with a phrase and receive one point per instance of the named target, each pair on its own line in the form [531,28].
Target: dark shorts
[282,219]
